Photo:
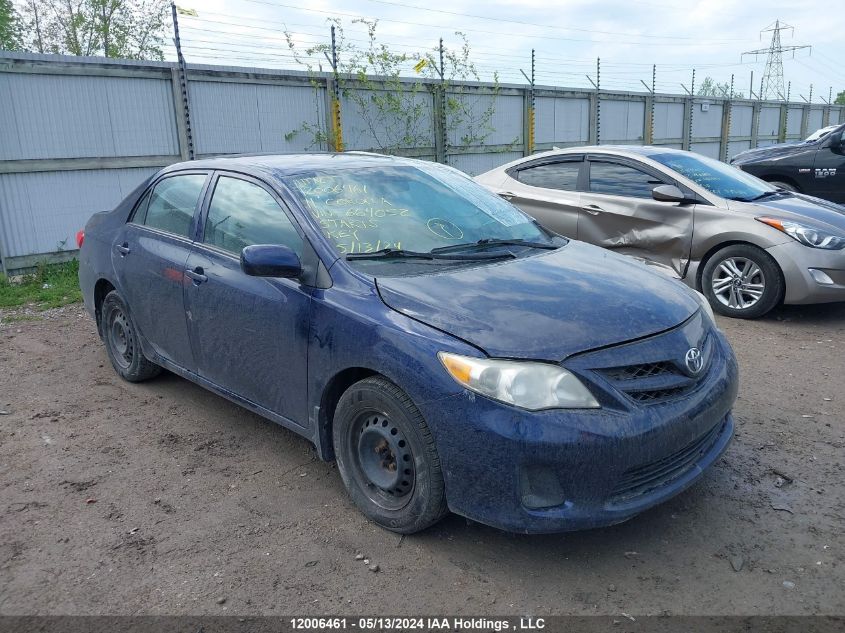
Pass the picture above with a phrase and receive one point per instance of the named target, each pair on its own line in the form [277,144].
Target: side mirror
[270,260]
[668,193]
[836,141]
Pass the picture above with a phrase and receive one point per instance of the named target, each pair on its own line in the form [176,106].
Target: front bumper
[796,260]
[554,471]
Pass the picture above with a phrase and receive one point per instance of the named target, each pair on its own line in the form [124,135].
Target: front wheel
[387,458]
[742,281]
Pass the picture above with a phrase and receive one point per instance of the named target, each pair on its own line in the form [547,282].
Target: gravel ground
[162,498]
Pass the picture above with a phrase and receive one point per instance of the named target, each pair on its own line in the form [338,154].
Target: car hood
[546,306]
[771,152]
[797,207]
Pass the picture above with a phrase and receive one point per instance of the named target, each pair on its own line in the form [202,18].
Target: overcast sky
[568,35]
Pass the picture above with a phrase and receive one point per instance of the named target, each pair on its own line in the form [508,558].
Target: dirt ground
[162,498]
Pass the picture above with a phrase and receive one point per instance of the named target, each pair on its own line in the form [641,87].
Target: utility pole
[772,84]
[183,83]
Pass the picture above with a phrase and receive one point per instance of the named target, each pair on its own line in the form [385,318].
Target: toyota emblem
[694,360]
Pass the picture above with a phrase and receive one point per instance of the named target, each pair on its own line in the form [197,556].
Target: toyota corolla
[442,347]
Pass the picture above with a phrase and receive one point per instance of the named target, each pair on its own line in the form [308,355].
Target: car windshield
[409,208]
[717,177]
[820,133]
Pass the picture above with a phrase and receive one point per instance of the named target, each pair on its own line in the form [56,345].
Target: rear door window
[172,204]
[563,175]
[616,179]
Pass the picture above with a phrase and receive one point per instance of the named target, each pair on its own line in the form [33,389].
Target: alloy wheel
[738,282]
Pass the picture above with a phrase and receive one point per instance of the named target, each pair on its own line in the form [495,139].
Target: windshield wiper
[398,253]
[492,242]
[765,194]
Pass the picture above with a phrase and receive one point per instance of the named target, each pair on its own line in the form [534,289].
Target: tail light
[80,237]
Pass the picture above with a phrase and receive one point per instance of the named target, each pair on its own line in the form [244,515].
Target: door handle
[123,249]
[507,195]
[197,274]
[593,209]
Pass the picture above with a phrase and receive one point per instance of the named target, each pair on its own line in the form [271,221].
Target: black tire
[783,185]
[121,339]
[734,276]
[387,458]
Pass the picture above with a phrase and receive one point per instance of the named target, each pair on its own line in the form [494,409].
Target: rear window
[563,176]
[172,204]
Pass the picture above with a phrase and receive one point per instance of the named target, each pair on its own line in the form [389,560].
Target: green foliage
[130,29]
[840,98]
[392,109]
[712,88]
[10,34]
[50,286]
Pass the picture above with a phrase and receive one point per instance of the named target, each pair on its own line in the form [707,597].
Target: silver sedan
[744,243]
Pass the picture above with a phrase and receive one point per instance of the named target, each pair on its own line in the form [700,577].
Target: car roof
[282,165]
[616,150]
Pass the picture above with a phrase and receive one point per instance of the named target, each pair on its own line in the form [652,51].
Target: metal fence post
[183,113]
[598,101]
[333,89]
[727,118]
[440,139]
[784,116]
[528,112]
[755,122]
[805,120]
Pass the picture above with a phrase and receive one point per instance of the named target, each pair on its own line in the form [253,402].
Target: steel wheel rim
[121,340]
[382,461]
[738,283]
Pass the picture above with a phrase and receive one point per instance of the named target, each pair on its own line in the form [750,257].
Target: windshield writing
[410,208]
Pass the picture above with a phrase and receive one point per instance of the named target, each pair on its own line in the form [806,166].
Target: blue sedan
[447,351]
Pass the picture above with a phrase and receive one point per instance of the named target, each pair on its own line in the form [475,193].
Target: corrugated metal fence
[78,134]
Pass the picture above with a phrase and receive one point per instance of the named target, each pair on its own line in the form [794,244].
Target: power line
[698,43]
[545,26]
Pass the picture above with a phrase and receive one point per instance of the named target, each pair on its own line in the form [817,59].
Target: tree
[131,29]
[712,88]
[9,26]
[840,98]
[389,109]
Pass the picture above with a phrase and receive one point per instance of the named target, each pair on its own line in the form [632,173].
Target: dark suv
[816,167]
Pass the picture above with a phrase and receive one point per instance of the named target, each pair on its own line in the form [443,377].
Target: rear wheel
[121,339]
[742,281]
[386,457]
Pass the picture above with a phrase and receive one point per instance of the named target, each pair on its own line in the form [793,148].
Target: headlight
[807,235]
[705,305]
[527,385]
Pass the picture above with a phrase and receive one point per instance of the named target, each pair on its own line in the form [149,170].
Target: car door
[829,170]
[547,190]
[149,258]
[249,334]
[619,213]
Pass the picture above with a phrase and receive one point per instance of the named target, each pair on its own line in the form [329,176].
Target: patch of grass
[50,286]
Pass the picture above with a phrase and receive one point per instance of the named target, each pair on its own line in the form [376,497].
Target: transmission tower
[772,84]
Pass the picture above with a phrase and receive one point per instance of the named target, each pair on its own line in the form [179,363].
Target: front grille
[646,370]
[649,477]
[657,395]
[656,382]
